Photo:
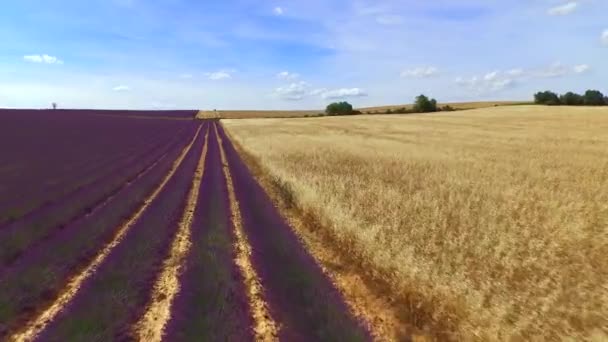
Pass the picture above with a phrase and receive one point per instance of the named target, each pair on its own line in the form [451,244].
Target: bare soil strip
[152,323]
[266,329]
[36,325]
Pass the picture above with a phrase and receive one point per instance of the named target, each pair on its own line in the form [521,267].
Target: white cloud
[46,59]
[515,72]
[389,19]
[498,80]
[565,9]
[491,76]
[491,82]
[343,93]
[286,75]
[122,88]
[219,75]
[278,11]
[294,92]
[556,69]
[604,37]
[319,91]
[579,69]
[422,72]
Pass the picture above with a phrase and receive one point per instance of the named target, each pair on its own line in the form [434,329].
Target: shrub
[593,98]
[547,98]
[424,105]
[339,108]
[447,108]
[572,99]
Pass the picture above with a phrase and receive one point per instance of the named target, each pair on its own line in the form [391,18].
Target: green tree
[593,98]
[572,99]
[546,98]
[424,105]
[339,108]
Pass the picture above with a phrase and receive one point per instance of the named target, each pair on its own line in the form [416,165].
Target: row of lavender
[115,296]
[174,114]
[42,248]
[45,156]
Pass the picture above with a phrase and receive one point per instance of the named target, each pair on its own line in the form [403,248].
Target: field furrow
[41,270]
[22,234]
[301,299]
[78,179]
[159,210]
[212,304]
[151,325]
[60,153]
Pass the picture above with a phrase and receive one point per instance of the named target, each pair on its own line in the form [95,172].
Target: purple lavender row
[138,157]
[300,296]
[212,302]
[77,182]
[77,177]
[21,201]
[116,295]
[38,138]
[184,114]
[19,235]
[43,270]
[57,144]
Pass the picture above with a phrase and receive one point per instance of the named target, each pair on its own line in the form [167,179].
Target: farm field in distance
[254,114]
[488,224]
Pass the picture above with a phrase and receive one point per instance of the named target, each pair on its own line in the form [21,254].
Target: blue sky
[295,54]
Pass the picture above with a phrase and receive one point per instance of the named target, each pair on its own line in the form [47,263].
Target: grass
[492,222]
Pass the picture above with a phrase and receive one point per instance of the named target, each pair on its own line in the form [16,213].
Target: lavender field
[148,226]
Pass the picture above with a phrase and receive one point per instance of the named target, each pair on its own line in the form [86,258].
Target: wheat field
[492,223]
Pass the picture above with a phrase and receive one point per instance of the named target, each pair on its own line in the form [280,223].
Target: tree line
[422,104]
[590,98]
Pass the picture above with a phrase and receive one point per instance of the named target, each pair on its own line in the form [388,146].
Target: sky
[295,54]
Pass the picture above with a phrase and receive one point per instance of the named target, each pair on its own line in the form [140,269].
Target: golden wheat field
[491,224]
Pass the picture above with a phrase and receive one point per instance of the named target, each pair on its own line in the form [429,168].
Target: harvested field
[252,114]
[489,224]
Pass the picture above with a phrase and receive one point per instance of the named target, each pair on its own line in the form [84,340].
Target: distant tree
[594,98]
[424,105]
[606,100]
[447,108]
[547,98]
[54,105]
[339,108]
[389,111]
[571,99]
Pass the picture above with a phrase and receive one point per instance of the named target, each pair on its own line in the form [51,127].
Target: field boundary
[369,295]
[31,329]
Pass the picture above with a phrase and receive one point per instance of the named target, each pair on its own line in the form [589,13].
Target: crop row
[59,154]
[19,234]
[41,271]
[113,297]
